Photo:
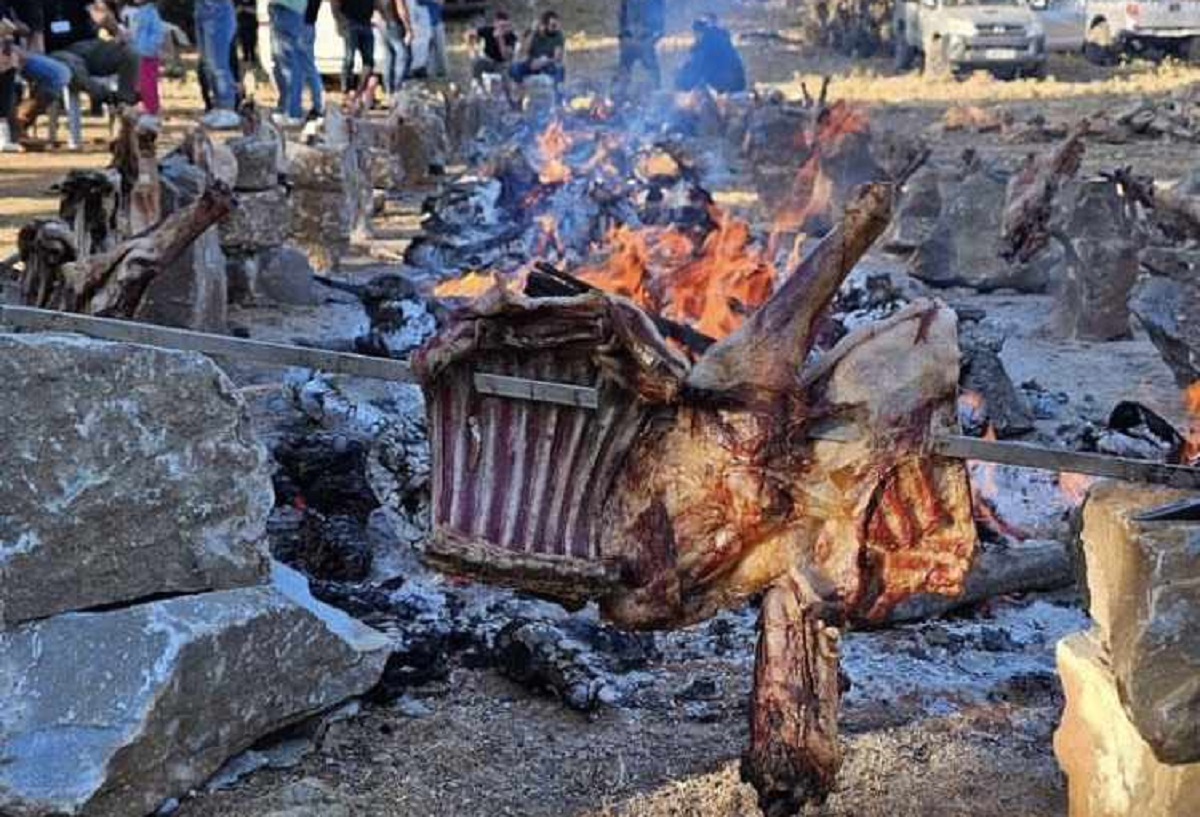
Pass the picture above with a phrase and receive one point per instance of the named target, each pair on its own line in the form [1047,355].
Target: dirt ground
[480,745]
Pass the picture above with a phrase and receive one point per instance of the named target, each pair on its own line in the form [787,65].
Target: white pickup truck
[1135,26]
[1003,36]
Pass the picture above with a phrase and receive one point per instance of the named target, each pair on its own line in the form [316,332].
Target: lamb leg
[793,755]
[768,351]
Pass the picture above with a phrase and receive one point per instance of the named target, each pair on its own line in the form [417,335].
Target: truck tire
[903,53]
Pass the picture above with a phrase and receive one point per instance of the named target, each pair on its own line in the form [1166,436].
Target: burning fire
[553,144]
[711,283]
[813,190]
[1191,402]
[658,165]
[471,285]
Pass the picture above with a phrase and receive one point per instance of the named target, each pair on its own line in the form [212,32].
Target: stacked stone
[262,267]
[422,138]
[330,198]
[145,636]
[1101,264]
[379,149]
[1129,740]
[192,292]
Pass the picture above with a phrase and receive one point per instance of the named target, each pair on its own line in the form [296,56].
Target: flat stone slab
[109,714]
[129,472]
[1144,587]
[1111,771]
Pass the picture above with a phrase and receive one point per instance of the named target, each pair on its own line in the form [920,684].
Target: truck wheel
[937,63]
[1038,71]
[903,53]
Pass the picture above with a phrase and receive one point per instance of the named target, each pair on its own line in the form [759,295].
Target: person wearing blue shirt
[47,77]
[713,61]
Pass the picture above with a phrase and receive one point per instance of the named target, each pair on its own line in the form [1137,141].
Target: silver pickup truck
[1003,36]
[1135,26]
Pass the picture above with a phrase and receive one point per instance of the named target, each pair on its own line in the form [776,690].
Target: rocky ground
[944,717]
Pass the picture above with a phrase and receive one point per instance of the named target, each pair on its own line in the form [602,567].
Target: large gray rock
[108,714]
[1101,266]
[1144,588]
[128,472]
[1111,771]
[285,276]
[257,162]
[191,294]
[964,247]
[1167,305]
[262,219]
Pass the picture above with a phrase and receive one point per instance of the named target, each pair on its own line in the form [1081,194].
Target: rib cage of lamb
[693,487]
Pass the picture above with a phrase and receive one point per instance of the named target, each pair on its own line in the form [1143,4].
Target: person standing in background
[247,39]
[216,23]
[147,36]
[358,38]
[312,74]
[397,35]
[642,24]
[288,51]
[437,37]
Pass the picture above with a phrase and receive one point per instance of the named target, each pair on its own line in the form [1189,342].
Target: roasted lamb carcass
[690,488]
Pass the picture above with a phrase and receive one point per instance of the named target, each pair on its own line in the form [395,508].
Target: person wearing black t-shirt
[544,51]
[354,17]
[72,37]
[492,46]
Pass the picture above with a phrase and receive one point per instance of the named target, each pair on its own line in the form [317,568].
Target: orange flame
[474,284]
[471,285]
[553,144]
[711,284]
[1191,402]
[812,192]
[658,165]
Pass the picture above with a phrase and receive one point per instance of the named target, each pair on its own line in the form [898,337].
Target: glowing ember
[553,144]
[1191,401]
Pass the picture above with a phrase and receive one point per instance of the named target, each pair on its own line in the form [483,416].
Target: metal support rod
[1025,455]
[279,354]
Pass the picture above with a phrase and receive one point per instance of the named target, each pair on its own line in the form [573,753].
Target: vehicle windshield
[956,3]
